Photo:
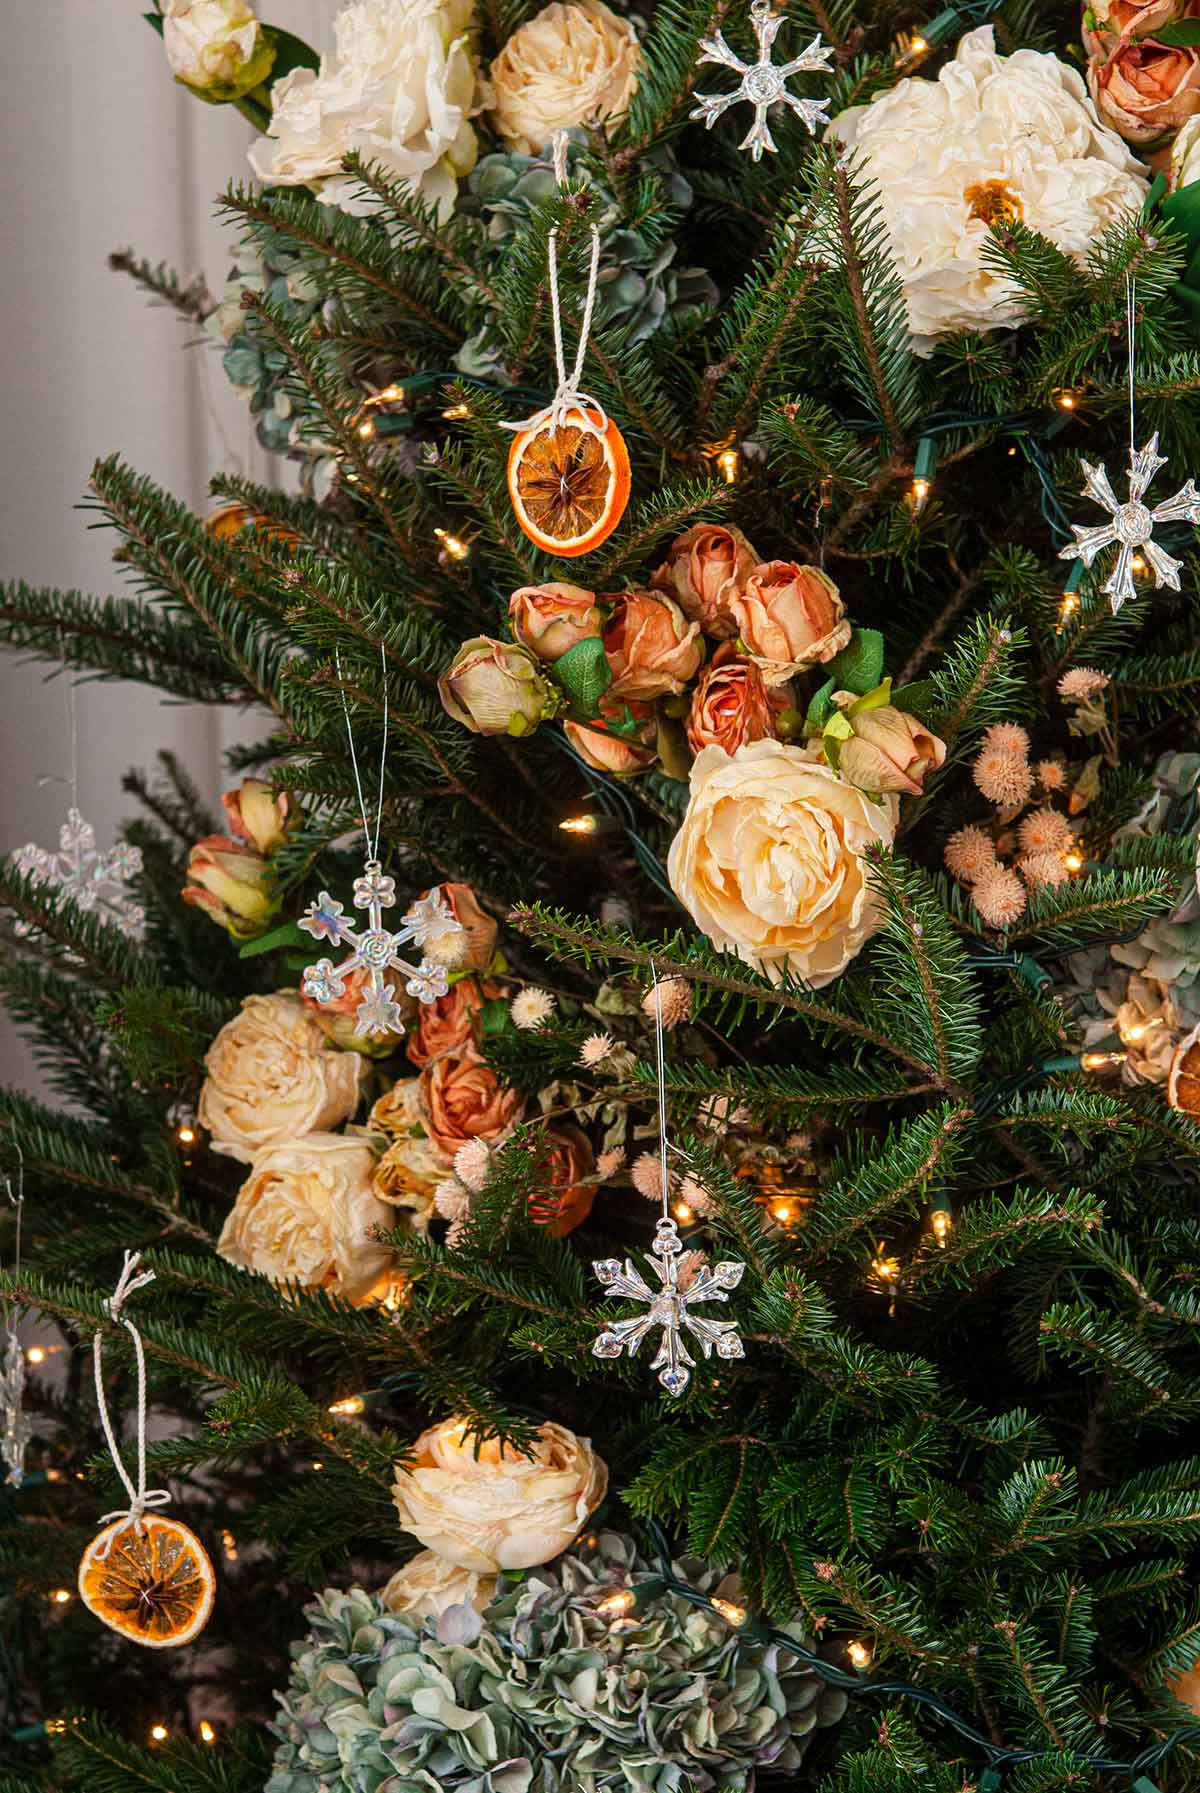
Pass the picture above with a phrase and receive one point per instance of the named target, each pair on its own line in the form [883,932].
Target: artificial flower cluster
[229,876]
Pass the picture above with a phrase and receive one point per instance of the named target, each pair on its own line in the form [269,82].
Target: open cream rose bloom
[487,1508]
[993,138]
[575,62]
[769,859]
[400,89]
[273,1075]
[307,1213]
[427,1584]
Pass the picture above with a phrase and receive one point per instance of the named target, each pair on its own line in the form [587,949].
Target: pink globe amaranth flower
[970,852]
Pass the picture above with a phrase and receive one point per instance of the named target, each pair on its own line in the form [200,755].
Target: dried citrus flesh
[1183,1085]
[155,1585]
[568,486]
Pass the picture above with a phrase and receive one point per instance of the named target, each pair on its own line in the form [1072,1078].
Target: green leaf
[859,667]
[585,674]
[495,1015]
[820,706]
[1181,36]
[291,52]
[287,935]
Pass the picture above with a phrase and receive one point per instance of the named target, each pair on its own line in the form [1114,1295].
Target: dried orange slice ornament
[1183,1084]
[150,1581]
[568,469]
[569,481]
[147,1578]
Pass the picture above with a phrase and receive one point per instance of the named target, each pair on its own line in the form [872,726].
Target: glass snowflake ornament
[763,84]
[96,882]
[1132,524]
[375,949]
[15,1427]
[670,1307]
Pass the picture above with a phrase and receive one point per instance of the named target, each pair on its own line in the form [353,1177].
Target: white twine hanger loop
[372,836]
[140,1497]
[569,405]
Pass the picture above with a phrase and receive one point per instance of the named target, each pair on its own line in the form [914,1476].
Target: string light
[61,1597]
[229,1545]
[1073,861]
[366,428]
[783,1212]
[452,545]
[186,1135]
[318,1464]
[36,1354]
[1101,1061]
[391,395]
[454,413]
[54,1475]
[207,1733]
[1070,597]
[348,1407]
[617,1604]
[886,1269]
[578,825]
[397,1296]
[159,1733]
[682,1212]
[1066,400]
[941,1224]
[55,1727]
[729,461]
[859,1653]
[924,467]
[1138,563]
[730,1611]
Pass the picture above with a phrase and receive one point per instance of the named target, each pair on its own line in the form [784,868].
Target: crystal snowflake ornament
[376,949]
[671,1308]
[96,882]
[1132,524]
[763,85]
[15,1427]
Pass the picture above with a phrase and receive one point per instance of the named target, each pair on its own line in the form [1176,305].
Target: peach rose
[732,703]
[567,1200]
[595,743]
[1130,18]
[889,750]
[428,1583]
[448,1024]
[307,1213]
[652,647]
[1144,88]
[496,688]
[702,571]
[255,813]
[272,1075]
[575,62]
[481,930]
[769,860]
[462,1099]
[550,619]
[789,616]
[338,1020]
[231,881]
[486,1507]
[409,1171]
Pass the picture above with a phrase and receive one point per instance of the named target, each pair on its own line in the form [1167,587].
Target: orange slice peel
[150,1581]
[569,481]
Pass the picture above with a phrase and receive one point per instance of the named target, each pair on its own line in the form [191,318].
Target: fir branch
[192,300]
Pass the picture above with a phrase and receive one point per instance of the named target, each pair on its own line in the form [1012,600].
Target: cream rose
[789,617]
[273,1075]
[428,1584]
[409,1171]
[574,63]
[496,688]
[216,46]
[769,860]
[399,89]
[992,138]
[487,1508]
[307,1213]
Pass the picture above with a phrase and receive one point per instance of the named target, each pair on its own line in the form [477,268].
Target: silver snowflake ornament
[670,1307]
[375,949]
[763,85]
[15,1427]
[1132,524]
[96,882]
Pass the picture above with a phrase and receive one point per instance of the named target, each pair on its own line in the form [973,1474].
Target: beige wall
[100,150]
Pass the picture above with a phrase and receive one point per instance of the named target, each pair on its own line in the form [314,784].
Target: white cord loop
[1130,330]
[569,405]
[372,840]
[140,1497]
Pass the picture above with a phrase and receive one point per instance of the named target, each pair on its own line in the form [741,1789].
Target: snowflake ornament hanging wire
[16,1428]
[670,1305]
[375,948]
[1132,523]
[762,83]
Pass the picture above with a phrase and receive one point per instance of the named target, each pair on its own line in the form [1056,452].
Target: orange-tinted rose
[549,619]
[606,752]
[337,1019]
[231,882]
[258,814]
[448,1024]
[652,647]
[463,1099]
[566,1200]
[1130,18]
[732,703]
[789,616]
[1144,88]
[481,929]
[702,571]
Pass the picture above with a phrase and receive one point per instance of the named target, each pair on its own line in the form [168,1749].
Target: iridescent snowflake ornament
[763,85]
[428,922]
[1132,524]
[670,1307]
[96,882]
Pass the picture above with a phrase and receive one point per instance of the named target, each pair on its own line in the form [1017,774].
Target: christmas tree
[662,1121]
